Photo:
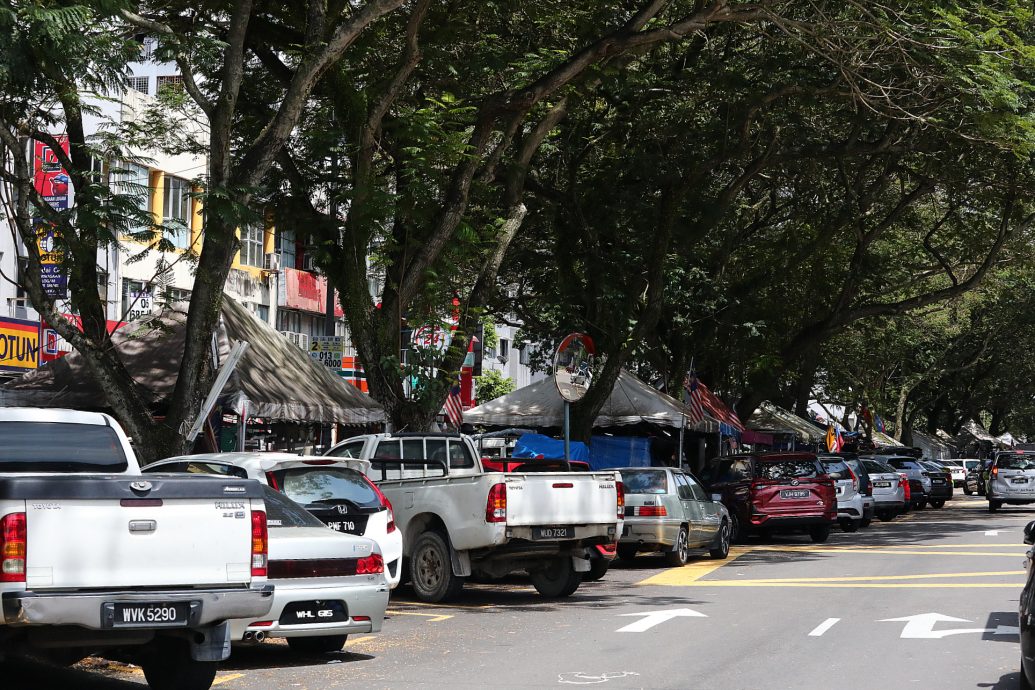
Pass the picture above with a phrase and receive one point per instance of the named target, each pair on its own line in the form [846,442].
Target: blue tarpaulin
[619,451]
[546,448]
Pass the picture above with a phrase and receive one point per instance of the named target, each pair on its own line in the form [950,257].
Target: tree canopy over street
[784,195]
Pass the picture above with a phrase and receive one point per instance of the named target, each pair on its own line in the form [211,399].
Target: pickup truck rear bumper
[208,606]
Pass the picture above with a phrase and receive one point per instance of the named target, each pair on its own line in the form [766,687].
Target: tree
[493,384]
[60,55]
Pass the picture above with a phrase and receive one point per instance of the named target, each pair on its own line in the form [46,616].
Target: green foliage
[493,384]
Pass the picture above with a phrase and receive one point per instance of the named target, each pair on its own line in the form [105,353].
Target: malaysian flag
[454,407]
[695,404]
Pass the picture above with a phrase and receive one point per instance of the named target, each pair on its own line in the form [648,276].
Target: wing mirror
[1029,533]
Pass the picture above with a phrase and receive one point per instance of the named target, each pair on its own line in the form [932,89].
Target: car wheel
[967,491]
[819,533]
[627,552]
[721,548]
[921,504]
[324,644]
[736,534]
[885,515]
[1025,683]
[866,522]
[597,569]
[558,579]
[431,570]
[680,554]
[993,506]
[849,526]
[937,504]
[169,666]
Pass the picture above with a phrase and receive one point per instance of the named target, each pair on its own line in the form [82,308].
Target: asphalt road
[778,614]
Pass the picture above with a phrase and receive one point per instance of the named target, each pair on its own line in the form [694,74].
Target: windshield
[281,511]
[787,469]
[56,447]
[645,482]
[837,469]
[903,464]
[877,467]
[733,469]
[1016,462]
[327,485]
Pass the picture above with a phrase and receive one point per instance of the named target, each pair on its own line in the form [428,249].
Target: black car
[1026,614]
[941,483]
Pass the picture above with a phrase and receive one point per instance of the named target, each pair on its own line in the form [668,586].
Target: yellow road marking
[432,617]
[227,678]
[357,640]
[856,585]
[885,550]
[692,572]
[446,606]
[883,577]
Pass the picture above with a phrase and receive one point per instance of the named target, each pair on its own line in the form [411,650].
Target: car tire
[993,506]
[431,570]
[736,533]
[721,547]
[324,644]
[849,525]
[967,491]
[597,569]
[627,552]
[680,553]
[819,533]
[866,522]
[938,503]
[168,666]
[885,515]
[558,579]
[1024,683]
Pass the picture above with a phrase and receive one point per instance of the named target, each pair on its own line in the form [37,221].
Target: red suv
[774,492]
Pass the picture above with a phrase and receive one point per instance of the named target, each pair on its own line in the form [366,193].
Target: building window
[176,211]
[525,354]
[137,299]
[138,84]
[176,295]
[285,246]
[504,350]
[102,286]
[262,311]
[23,278]
[131,180]
[251,245]
[172,83]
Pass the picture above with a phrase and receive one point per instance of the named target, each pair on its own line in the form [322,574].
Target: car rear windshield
[903,464]
[281,511]
[331,485]
[1016,462]
[645,482]
[56,447]
[787,469]
[877,467]
[837,467]
[726,470]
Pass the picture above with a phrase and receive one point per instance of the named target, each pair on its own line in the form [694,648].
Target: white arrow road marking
[921,626]
[652,618]
[992,533]
[823,627]
[582,678]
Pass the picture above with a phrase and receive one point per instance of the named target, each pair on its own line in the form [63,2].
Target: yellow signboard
[19,344]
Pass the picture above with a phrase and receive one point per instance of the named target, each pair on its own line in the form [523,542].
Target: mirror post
[567,436]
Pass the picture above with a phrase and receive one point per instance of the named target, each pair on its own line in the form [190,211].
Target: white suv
[850,501]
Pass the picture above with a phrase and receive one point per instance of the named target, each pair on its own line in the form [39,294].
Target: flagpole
[567,436]
[682,429]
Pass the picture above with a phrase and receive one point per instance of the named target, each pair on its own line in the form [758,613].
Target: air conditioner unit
[19,307]
[299,339]
[303,341]
[271,262]
[309,263]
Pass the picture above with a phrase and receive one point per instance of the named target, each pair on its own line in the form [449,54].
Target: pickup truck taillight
[260,544]
[385,503]
[620,487]
[12,547]
[496,505]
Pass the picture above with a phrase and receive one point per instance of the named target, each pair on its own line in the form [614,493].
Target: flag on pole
[840,440]
[831,439]
[454,407]
[696,406]
[878,423]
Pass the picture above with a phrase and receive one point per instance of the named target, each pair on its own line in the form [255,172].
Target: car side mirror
[1029,533]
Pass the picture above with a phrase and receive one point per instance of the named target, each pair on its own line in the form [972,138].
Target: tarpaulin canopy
[932,446]
[773,419]
[882,439]
[546,448]
[540,405]
[276,379]
[975,430]
[619,451]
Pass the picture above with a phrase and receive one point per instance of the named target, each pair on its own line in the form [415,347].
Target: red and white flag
[454,407]
[695,403]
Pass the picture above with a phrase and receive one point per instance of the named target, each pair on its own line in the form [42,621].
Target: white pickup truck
[458,520]
[95,557]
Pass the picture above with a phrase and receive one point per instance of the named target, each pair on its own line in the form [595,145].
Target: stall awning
[773,419]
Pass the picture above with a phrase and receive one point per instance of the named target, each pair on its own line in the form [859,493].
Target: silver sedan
[668,510]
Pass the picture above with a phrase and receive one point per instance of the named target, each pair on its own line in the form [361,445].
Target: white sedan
[326,585]
[335,490]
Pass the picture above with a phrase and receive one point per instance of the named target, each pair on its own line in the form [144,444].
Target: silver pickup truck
[95,557]
[458,520]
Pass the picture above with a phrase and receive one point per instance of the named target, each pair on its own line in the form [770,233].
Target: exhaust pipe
[254,637]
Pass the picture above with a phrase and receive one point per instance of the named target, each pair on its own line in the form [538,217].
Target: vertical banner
[52,182]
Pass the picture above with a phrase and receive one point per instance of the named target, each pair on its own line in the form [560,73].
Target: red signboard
[306,292]
[53,346]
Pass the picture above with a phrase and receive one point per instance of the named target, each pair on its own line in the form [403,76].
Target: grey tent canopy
[540,405]
[279,381]
[773,419]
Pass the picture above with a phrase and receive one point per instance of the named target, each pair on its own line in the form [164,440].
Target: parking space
[929,601]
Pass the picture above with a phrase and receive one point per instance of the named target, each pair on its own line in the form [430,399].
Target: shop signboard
[52,183]
[305,291]
[327,350]
[19,344]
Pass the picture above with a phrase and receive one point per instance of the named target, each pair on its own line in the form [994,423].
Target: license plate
[553,532]
[303,612]
[937,481]
[840,490]
[134,615]
[347,526]
[1020,480]
[794,493]
[882,485]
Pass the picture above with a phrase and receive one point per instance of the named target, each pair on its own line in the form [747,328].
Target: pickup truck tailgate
[561,498]
[112,532]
